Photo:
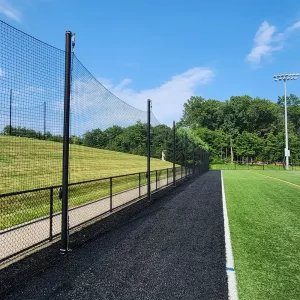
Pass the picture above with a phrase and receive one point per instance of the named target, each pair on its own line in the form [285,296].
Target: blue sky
[171,50]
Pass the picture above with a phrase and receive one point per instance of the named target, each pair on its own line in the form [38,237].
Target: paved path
[173,249]
[32,233]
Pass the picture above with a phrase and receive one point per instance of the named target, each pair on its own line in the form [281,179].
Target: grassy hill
[29,163]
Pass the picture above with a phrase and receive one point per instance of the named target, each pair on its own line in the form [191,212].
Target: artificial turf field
[264,212]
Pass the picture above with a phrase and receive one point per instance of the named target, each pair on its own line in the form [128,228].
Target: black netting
[108,146]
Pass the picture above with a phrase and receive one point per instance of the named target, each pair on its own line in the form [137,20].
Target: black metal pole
[110,194]
[44,120]
[167,176]
[65,177]
[174,154]
[185,154]
[193,159]
[139,185]
[201,160]
[148,150]
[51,215]
[207,161]
[10,111]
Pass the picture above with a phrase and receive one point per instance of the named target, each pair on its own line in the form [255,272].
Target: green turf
[265,233]
[232,166]
[290,176]
[28,164]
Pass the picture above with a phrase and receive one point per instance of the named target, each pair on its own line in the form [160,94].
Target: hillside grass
[29,164]
[265,233]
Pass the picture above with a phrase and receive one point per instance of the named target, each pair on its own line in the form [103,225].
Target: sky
[168,51]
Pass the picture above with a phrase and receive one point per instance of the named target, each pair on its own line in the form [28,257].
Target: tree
[95,138]
[249,145]
[292,99]
[161,137]
[112,133]
[132,140]
[261,115]
[199,112]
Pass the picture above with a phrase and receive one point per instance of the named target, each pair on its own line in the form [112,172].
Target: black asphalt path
[173,249]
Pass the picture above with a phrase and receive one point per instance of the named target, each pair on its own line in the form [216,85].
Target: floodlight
[285,78]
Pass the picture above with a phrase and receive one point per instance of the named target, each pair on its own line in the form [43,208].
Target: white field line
[232,286]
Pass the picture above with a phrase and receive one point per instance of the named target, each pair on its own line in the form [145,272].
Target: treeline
[131,139]
[244,128]
[30,133]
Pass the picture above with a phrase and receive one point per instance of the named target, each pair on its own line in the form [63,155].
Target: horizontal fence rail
[33,217]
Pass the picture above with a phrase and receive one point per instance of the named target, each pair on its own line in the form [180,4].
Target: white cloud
[167,99]
[9,11]
[267,41]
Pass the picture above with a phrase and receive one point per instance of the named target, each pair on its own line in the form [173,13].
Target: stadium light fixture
[285,78]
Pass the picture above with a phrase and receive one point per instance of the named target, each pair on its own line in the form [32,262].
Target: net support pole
[185,154]
[10,112]
[193,153]
[174,153]
[66,136]
[44,120]
[148,150]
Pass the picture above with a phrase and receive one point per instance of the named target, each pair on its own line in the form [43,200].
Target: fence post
[10,111]
[185,155]
[148,150]
[193,159]
[174,154]
[139,185]
[51,215]
[156,178]
[65,176]
[167,176]
[44,120]
[201,160]
[110,194]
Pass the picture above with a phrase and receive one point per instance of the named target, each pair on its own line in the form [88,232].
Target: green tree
[95,138]
[199,112]
[292,99]
[249,145]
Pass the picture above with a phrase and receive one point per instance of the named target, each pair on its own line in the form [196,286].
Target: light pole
[284,78]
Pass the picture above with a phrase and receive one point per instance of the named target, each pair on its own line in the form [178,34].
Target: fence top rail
[75,183]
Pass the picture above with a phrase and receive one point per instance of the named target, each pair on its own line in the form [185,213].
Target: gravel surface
[173,249]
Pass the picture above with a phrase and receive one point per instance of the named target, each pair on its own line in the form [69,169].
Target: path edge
[230,270]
